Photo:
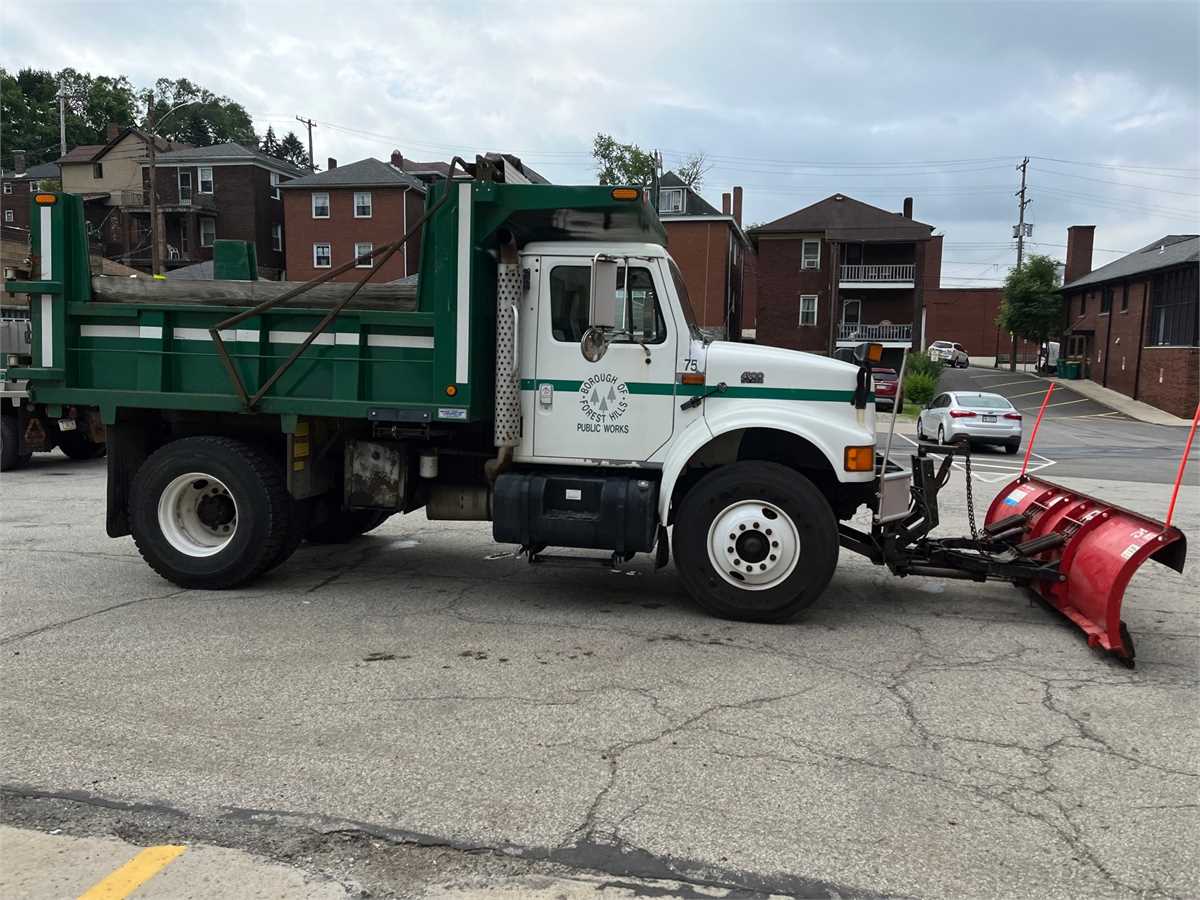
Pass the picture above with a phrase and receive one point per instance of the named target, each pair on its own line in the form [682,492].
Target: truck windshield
[684,301]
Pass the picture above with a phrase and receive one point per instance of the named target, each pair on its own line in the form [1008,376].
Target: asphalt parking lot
[419,710]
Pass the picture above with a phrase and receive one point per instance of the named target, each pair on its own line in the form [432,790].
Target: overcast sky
[794,101]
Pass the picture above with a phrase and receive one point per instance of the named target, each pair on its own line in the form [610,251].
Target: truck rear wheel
[209,512]
[346,524]
[755,541]
[11,456]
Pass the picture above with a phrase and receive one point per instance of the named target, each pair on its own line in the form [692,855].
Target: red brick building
[1134,324]
[840,272]
[338,215]
[204,193]
[17,185]
[711,250]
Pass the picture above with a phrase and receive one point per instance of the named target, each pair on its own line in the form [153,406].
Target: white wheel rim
[753,545]
[197,514]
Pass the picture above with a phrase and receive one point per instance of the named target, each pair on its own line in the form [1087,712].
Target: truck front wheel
[755,541]
[209,512]
[78,445]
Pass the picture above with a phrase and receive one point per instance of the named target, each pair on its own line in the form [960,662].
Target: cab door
[620,408]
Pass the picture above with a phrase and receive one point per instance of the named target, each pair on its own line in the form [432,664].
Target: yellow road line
[125,880]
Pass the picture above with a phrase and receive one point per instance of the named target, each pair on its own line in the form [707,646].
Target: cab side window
[639,317]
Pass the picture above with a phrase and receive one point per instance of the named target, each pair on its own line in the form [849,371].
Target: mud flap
[1098,547]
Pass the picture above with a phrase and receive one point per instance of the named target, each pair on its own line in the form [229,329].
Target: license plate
[989,418]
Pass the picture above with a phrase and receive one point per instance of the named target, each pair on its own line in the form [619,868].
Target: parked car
[967,416]
[950,353]
[887,387]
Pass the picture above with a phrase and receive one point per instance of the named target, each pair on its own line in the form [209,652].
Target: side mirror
[602,303]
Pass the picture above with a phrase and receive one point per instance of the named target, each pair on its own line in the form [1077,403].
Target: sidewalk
[1135,409]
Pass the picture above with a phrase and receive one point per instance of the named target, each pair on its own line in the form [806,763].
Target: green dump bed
[397,352]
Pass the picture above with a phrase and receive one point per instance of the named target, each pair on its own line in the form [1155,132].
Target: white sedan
[952,354]
[968,416]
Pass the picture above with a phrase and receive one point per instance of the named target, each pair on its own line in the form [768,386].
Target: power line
[1157,171]
[1144,187]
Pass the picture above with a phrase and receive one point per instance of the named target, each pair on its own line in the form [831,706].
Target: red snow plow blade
[1097,546]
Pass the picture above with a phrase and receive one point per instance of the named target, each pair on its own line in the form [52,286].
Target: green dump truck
[545,374]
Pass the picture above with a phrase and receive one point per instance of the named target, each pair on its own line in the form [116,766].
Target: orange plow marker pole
[1183,464]
[1036,425]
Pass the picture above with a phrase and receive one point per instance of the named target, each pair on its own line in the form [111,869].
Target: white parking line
[1026,394]
[1010,384]
[995,469]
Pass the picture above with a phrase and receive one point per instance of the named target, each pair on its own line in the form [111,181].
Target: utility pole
[1022,168]
[62,123]
[310,124]
[155,248]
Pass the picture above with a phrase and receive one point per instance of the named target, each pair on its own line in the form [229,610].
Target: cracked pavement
[904,737]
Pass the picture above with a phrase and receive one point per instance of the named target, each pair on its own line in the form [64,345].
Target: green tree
[292,150]
[270,143]
[618,163]
[216,119]
[1032,307]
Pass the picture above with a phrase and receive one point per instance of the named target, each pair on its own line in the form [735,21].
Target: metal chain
[970,499]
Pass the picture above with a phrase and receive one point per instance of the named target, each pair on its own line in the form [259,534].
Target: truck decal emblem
[752,378]
[603,400]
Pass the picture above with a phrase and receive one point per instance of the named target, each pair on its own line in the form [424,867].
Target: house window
[361,249]
[808,309]
[185,186]
[1106,300]
[8,187]
[206,180]
[275,187]
[97,170]
[8,215]
[1124,298]
[208,231]
[362,204]
[810,254]
[1174,317]
[320,205]
[1082,304]
[852,312]
[670,201]
[276,236]
[322,256]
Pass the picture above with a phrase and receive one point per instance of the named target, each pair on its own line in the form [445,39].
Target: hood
[737,364]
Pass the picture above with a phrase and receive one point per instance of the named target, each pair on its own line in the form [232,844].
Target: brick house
[205,193]
[711,249]
[1135,323]
[337,215]
[840,272]
[17,185]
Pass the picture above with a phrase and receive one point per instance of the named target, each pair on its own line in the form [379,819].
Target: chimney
[111,132]
[908,207]
[725,200]
[737,205]
[330,164]
[1079,252]
[18,162]
[398,160]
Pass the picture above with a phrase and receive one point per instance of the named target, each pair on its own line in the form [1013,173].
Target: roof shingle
[843,218]
[1170,250]
[369,172]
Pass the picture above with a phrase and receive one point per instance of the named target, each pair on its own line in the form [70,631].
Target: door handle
[516,361]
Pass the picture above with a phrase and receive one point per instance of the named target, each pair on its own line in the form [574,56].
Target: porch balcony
[873,275]
[850,335]
[139,201]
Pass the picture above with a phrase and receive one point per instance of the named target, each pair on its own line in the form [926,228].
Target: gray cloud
[765,89]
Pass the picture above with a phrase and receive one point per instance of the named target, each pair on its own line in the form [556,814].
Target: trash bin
[1069,370]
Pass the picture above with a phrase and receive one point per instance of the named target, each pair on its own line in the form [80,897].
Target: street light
[155,249]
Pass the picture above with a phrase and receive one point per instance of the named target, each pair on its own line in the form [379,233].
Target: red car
[887,387]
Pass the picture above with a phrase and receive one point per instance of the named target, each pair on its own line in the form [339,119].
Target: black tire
[77,445]
[345,525]
[941,435]
[920,431]
[11,457]
[262,511]
[1012,447]
[811,519]
[298,519]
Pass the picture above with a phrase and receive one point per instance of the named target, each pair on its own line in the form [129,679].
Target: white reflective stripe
[297,337]
[153,332]
[113,331]
[201,334]
[347,338]
[47,328]
[400,340]
[47,243]
[462,336]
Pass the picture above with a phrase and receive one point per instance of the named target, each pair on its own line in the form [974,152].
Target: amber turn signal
[691,378]
[860,459]
[451,390]
[45,199]
[625,193]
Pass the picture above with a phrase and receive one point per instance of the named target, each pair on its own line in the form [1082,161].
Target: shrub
[920,363]
[919,387]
